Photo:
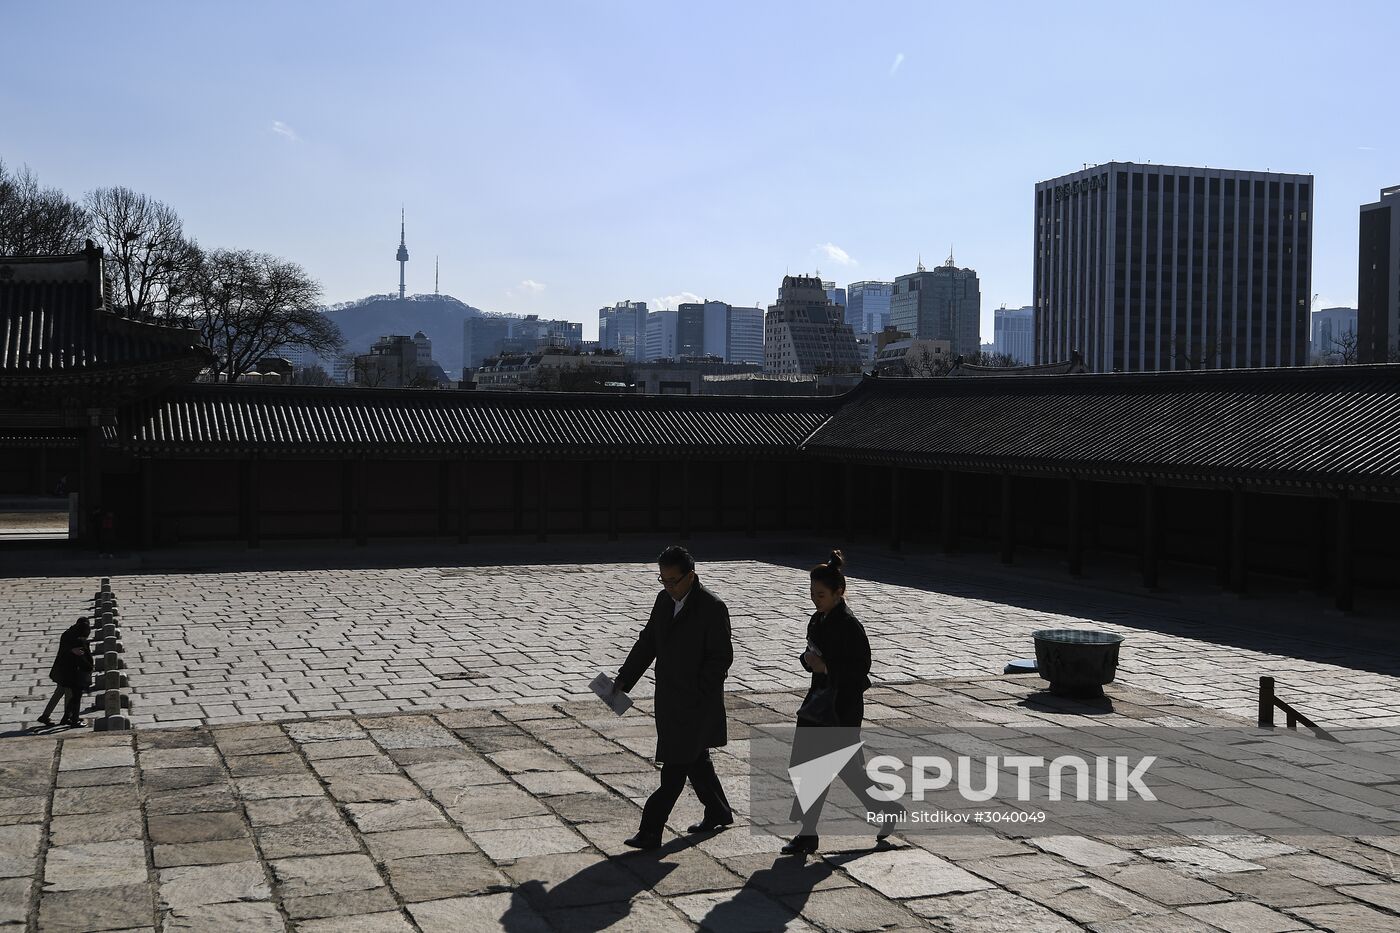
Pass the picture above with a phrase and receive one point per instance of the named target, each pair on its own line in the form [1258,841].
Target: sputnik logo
[811,778]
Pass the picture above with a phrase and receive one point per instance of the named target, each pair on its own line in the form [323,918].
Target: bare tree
[145,246]
[1203,354]
[37,221]
[247,305]
[922,362]
[993,360]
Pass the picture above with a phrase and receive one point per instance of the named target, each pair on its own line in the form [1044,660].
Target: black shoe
[74,723]
[887,826]
[709,825]
[801,845]
[643,841]
[45,721]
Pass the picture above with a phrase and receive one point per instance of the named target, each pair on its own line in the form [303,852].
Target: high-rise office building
[1013,332]
[836,296]
[804,332]
[1154,267]
[623,328]
[939,304]
[868,306]
[745,335]
[702,329]
[1378,280]
[661,336]
[1334,338]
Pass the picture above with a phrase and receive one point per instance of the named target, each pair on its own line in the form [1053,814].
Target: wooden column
[1150,534]
[41,480]
[1076,527]
[612,498]
[586,495]
[947,517]
[252,502]
[848,508]
[685,498]
[1322,539]
[1343,583]
[655,495]
[361,502]
[148,505]
[896,508]
[464,510]
[1239,567]
[1008,520]
[751,520]
[347,498]
[517,480]
[541,500]
[444,497]
[784,479]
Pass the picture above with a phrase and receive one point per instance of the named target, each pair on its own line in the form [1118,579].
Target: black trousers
[703,779]
[850,714]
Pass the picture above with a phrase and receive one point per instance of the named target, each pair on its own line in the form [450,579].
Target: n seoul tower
[402,254]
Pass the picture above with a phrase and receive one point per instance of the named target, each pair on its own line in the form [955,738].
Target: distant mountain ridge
[440,317]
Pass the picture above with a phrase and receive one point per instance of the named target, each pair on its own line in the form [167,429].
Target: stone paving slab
[462,831]
[248,646]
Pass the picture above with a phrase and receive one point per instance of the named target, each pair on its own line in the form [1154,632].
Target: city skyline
[561,168]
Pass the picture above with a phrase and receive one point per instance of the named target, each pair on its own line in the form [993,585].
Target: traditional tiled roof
[299,420]
[1315,425]
[55,332]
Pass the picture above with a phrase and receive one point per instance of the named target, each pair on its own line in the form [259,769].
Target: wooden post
[947,517]
[41,481]
[848,510]
[254,502]
[1076,527]
[463,502]
[1266,702]
[751,522]
[612,498]
[895,509]
[656,495]
[1322,536]
[784,480]
[148,506]
[685,498]
[541,500]
[444,497]
[347,498]
[585,468]
[1344,555]
[518,494]
[1239,567]
[1150,534]
[361,502]
[1008,521]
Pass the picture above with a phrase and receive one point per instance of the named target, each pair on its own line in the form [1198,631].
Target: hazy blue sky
[560,157]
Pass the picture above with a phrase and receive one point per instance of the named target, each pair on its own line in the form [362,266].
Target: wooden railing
[1268,702]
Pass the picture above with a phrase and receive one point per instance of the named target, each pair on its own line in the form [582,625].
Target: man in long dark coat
[688,637]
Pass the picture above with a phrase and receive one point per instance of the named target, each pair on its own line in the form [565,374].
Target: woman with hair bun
[838,655]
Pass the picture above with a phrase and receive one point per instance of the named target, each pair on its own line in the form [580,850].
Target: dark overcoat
[72,670]
[842,641]
[692,651]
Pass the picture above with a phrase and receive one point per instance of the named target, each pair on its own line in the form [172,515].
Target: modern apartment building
[1378,280]
[1157,267]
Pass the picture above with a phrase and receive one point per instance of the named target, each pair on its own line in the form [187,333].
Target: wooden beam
[1343,583]
[1008,519]
[1150,534]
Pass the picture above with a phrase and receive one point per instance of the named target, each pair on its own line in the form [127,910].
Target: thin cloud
[1367,148]
[530,285]
[282,129]
[836,254]
[898,60]
[669,302]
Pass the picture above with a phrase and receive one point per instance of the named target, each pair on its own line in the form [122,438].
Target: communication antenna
[435,276]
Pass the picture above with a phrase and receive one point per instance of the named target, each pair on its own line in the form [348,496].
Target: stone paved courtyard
[512,820]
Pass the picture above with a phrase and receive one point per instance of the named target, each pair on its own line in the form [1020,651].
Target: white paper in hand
[619,702]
